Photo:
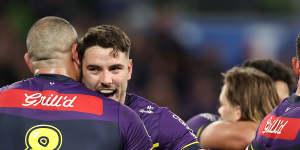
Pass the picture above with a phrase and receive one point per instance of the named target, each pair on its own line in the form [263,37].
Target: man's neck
[60,71]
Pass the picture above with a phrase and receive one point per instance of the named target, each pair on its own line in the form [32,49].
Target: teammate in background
[280,128]
[106,68]
[282,75]
[54,111]
[284,82]
[246,97]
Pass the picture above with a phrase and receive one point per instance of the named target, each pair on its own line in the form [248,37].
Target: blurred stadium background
[179,47]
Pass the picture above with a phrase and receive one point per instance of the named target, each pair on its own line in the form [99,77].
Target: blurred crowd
[179,48]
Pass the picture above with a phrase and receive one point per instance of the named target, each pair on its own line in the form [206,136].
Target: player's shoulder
[141,104]
[138,101]
[16,85]
[123,109]
[145,107]
[208,117]
[288,107]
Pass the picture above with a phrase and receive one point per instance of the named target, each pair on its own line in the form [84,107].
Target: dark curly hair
[275,69]
[106,36]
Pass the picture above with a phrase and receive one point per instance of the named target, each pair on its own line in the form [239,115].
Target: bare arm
[228,135]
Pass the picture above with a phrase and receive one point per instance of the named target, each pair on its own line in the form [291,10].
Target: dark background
[179,47]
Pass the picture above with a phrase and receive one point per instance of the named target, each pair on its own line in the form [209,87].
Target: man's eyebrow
[117,65]
[120,66]
[93,65]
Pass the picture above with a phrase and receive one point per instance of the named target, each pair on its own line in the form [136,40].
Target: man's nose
[106,78]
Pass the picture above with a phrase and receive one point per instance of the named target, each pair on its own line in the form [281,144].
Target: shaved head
[49,40]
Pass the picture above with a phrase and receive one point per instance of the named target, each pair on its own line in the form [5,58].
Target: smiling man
[106,68]
[121,69]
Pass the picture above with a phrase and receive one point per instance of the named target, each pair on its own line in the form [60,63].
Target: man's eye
[93,68]
[115,68]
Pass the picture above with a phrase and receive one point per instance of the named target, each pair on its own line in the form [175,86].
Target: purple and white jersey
[279,130]
[56,112]
[167,130]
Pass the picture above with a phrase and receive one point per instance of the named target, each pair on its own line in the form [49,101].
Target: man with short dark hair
[106,68]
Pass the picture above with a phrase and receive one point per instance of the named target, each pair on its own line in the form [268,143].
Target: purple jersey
[200,121]
[279,130]
[56,112]
[167,130]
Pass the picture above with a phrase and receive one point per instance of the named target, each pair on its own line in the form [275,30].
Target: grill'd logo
[279,127]
[52,100]
[274,126]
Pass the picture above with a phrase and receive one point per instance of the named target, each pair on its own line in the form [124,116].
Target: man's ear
[295,63]
[238,112]
[130,65]
[28,62]
[75,57]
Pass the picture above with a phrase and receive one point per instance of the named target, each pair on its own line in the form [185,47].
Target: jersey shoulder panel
[14,85]
[280,128]
[136,102]
[148,112]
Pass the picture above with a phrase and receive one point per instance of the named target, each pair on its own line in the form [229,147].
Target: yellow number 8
[43,137]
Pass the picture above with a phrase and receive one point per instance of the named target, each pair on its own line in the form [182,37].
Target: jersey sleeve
[199,122]
[175,134]
[133,132]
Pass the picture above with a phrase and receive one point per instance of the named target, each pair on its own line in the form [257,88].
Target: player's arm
[133,131]
[228,135]
[175,134]
[199,122]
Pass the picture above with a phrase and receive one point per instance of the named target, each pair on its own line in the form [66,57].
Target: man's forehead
[98,50]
